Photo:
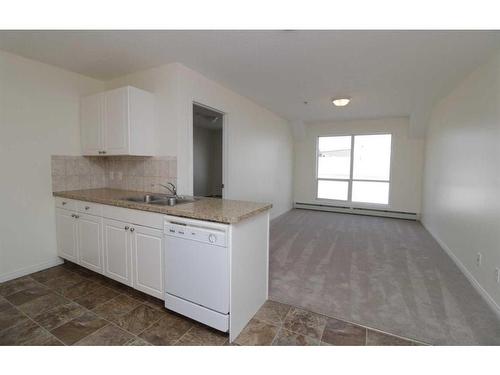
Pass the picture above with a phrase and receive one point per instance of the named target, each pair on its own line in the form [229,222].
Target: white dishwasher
[197,270]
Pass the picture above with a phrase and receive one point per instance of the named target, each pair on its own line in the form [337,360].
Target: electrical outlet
[479,259]
[497,270]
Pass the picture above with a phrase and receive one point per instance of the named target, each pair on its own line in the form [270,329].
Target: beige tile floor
[70,305]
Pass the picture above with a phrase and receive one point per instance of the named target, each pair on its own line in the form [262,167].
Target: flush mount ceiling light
[341,102]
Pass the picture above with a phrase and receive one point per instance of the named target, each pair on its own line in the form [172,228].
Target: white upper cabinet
[91,112]
[118,122]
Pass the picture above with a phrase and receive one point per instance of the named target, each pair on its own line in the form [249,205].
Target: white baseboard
[486,296]
[358,211]
[34,268]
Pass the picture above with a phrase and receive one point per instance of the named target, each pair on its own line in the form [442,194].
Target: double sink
[161,199]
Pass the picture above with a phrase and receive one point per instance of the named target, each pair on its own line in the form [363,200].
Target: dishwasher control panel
[194,233]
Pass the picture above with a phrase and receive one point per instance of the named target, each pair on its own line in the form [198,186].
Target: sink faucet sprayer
[170,187]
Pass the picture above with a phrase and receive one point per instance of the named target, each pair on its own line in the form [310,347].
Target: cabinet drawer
[66,204]
[147,219]
[89,208]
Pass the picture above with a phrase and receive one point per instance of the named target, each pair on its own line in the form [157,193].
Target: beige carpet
[388,274]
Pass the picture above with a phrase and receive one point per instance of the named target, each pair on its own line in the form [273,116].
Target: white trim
[34,268]
[225,155]
[351,172]
[268,236]
[486,296]
[357,211]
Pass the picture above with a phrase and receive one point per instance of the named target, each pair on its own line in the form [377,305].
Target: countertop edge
[160,210]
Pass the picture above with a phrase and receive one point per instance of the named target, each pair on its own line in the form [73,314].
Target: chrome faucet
[170,187]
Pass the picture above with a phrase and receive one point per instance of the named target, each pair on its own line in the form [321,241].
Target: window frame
[350,181]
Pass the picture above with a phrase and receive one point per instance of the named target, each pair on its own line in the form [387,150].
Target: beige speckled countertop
[211,209]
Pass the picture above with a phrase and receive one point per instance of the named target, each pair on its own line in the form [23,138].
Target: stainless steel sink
[161,199]
[147,198]
[173,201]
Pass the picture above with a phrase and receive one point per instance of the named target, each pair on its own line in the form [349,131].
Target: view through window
[354,168]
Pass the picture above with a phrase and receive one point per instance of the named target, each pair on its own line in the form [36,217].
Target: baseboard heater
[358,211]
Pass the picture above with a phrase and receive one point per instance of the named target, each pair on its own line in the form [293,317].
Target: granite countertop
[211,209]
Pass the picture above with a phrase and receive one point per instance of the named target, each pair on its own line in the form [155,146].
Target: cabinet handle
[127,227]
[64,203]
[132,229]
[73,215]
[104,152]
[87,207]
[77,216]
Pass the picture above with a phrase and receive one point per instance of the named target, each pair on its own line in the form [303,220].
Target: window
[334,167]
[354,168]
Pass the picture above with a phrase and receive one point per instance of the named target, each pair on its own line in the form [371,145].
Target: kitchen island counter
[210,209]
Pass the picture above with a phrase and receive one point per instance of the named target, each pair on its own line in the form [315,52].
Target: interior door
[91,124]
[208,150]
[116,121]
[90,241]
[147,252]
[66,235]
[117,260]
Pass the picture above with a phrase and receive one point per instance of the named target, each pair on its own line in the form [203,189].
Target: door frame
[224,145]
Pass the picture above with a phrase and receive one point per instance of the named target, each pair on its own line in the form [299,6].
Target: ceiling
[386,73]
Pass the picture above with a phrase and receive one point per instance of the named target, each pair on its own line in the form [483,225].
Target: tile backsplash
[118,172]
[77,172]
[140,173]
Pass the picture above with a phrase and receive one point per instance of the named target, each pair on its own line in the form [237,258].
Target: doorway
[207,152]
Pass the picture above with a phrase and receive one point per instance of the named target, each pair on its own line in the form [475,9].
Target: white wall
[39,117]
[461,205]
[259,143]
[406,160]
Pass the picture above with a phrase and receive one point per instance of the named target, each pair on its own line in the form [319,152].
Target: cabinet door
[66,235]
[116,122]
[91,130]
[147,261]
[117,257]
[90,241]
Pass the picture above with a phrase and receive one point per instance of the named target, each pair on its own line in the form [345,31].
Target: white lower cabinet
[106,242]
[67,246]
[89,229]
[147,253]
[117,257]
